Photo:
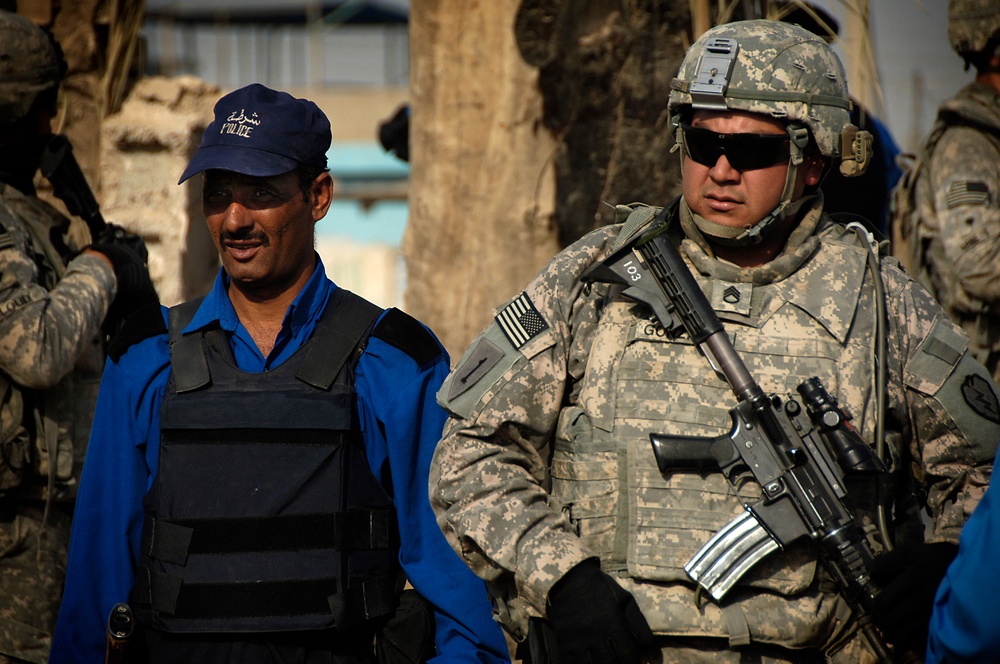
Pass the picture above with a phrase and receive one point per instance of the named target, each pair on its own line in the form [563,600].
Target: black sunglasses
[745,152]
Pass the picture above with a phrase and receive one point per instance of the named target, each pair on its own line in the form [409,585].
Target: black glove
[909,578]
[114,234]
[127,252]
[595,620]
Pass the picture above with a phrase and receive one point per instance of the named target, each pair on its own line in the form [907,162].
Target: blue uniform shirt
[401,424]
[965,625]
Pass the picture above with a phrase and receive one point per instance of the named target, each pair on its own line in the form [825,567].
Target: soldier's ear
[813,168]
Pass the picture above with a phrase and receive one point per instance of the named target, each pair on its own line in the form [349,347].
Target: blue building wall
[361,167]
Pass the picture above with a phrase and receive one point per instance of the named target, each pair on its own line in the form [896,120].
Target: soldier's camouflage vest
[645,525]
[264,515]
[43,433]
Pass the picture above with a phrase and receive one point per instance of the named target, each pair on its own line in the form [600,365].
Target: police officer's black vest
[264,514]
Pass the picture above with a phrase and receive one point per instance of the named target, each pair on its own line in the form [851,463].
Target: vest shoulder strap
[405,332]
[950,118]
[189,366]
[344,327]
[181,314]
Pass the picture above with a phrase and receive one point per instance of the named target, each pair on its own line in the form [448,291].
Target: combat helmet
[29,65]
[972,26]
[782,71]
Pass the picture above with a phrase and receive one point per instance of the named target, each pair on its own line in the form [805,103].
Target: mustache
[244,236]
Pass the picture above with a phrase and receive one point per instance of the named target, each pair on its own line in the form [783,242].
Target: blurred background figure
[54,299]
[394,133]
[946,223]
[866,195]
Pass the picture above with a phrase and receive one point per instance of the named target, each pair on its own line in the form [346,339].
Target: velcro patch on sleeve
[968,193]
[483,365]
[520,321]
[934,361]
[483,357]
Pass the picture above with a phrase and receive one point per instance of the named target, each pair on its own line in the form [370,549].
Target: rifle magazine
[729,554]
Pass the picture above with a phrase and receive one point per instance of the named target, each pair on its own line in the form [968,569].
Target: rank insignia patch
[520,321]
[980,397]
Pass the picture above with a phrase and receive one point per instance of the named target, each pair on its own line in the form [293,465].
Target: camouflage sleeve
[965,180]
[43,332]
[947,401]
[489,478]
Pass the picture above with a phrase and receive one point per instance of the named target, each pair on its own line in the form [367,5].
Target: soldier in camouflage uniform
[53,300]
[545,467]
[946,227]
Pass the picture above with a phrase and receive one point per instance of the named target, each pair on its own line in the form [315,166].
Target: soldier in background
[53,301]
[946,219]
[544,480]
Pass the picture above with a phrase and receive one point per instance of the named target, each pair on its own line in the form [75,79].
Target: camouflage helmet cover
[28,65]
[972,24]
[779,69]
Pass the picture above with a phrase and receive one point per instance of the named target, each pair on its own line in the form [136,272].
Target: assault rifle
[798,450]
[61,169]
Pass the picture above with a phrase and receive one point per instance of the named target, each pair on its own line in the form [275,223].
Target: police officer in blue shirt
[256,482]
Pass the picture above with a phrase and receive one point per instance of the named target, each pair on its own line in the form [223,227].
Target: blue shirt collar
[304,310]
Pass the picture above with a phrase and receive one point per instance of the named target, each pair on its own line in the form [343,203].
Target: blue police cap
[262,132]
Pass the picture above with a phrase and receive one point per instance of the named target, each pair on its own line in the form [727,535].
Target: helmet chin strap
[729,236]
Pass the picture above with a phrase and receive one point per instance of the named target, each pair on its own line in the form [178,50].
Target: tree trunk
[605,70]
[482,179]
[531,120]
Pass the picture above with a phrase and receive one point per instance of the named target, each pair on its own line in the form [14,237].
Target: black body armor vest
[264,515]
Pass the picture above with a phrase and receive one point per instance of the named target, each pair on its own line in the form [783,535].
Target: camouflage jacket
[947,221]
[50,356]
[546,461]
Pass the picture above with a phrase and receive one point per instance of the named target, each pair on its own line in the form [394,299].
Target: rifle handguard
[61,169]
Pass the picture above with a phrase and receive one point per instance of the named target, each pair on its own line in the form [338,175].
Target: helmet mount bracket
[856,151]
[715,68]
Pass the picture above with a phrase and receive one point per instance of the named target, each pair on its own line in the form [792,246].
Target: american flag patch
[6,241]
[968,193]
[520,321]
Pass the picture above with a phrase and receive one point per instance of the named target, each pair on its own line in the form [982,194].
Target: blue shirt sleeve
[107,522]
[965,627]
[402,423]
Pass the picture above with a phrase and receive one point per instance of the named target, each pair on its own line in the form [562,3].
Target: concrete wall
[145,148]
